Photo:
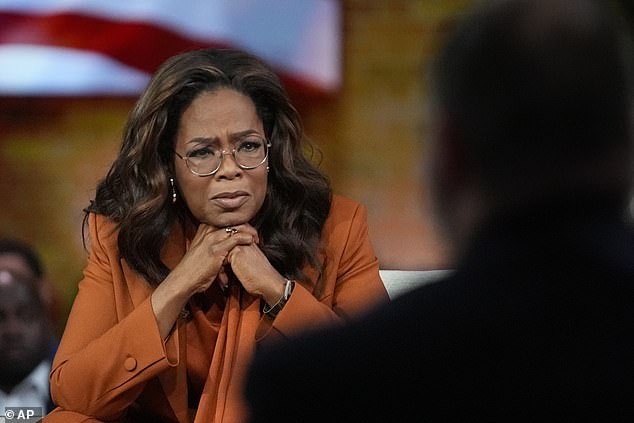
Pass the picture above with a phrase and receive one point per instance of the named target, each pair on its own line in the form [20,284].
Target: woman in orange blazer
[212,232]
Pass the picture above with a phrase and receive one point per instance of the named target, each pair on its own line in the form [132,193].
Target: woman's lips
[230,200]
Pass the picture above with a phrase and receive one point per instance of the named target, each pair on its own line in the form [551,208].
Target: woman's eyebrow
[243,134]
[232,137]
[202,140]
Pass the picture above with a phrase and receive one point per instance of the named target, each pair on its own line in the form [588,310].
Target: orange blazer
[111,357]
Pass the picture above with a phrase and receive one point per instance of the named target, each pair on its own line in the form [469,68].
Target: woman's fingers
[241,229]
[208,253]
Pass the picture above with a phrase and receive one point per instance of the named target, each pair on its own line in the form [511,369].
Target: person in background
[21,259]
[212,233]
[25,329]
[529,173]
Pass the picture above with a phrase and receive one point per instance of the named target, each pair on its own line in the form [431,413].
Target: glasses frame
[267,145]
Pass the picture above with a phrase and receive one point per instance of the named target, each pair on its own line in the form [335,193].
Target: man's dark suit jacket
[537,322]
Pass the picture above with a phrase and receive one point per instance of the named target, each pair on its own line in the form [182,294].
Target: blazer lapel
[173,380]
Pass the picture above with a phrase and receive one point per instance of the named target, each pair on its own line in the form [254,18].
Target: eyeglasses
[249,153]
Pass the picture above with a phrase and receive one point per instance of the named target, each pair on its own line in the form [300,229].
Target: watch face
[288,290]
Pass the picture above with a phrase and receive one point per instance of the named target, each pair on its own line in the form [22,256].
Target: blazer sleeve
[106,355]
[351,277]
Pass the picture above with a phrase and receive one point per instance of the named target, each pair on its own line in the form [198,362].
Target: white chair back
[398,282]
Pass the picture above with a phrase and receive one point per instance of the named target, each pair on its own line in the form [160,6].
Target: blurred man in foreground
[529,175]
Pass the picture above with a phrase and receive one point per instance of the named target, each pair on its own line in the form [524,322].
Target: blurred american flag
[110,47]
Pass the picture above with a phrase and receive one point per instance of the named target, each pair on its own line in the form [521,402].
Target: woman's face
[220,119]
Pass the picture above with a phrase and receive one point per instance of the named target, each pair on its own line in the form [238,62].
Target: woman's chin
[227,219]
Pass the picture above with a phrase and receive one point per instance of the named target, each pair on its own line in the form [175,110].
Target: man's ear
[456,200]
[453,163]
[444,182]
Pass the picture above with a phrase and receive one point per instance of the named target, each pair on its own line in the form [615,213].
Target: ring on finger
[231,230]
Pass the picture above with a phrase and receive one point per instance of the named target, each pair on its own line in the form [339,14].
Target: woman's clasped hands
[211,253]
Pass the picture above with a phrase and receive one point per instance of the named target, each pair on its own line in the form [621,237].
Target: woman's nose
[228,165]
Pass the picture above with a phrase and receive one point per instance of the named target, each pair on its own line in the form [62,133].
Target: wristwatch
[277,307]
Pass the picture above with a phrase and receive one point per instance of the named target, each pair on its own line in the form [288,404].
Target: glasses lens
[204,160]
[251,152]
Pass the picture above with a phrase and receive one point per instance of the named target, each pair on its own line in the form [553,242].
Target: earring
[173,190]
[267,168]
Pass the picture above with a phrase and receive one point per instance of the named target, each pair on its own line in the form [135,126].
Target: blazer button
[130,363]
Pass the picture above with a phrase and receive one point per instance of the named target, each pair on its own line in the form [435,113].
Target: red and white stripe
[110,47]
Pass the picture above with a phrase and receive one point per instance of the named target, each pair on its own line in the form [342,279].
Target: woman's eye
[201,153]
[249,146]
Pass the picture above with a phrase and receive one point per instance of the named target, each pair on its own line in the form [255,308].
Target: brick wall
[372,134]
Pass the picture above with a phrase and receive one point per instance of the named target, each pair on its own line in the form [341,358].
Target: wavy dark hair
[136,193]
